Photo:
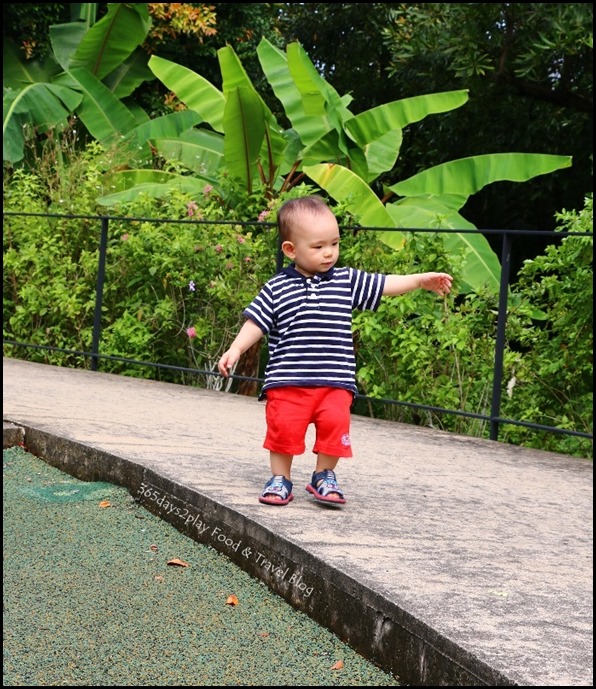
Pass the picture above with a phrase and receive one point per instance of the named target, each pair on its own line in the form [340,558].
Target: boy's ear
[288,249]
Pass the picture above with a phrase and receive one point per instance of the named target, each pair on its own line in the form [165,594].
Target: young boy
[306,311]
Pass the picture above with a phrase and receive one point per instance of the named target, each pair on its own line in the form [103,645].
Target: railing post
[101,269]
[500,341]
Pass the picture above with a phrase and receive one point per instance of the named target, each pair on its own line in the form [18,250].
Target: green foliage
[529,70]
[50,264]
[421,350]
[93,67]
[239,139]
[179,288]
[415,350]
[535,95]
[174,289]
[550,371]
[176,286]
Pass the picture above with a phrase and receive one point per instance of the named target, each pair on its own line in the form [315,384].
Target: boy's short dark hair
[289,209]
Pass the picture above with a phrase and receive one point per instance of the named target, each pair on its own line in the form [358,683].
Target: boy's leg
[332,421]
[286,427]
[278,490]
[326,462]
[281,465]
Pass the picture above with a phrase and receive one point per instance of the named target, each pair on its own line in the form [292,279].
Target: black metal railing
[494,419]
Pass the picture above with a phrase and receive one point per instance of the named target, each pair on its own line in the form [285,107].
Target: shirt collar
[292,272]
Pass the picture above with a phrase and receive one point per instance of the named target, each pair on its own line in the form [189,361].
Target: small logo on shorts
[345,440]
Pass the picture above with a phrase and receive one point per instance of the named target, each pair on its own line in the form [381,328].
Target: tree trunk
[248,366]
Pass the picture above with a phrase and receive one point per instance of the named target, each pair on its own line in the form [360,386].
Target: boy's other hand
[436,282]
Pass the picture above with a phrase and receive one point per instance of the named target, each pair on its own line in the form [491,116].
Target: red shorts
[290,410]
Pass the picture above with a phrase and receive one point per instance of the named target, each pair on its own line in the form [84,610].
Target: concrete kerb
[374,626]
[12,435]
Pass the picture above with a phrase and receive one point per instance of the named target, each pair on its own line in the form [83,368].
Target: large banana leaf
[169,125]
[244,126]
[378,131]
[302,92]
[258,140]
[175,139]
[39,105]
[17,73]
[193,90]
[65,39]
[335,149]
[199,150]
[467,176]
[427,211]
[481,267]
[377,134]
[319,98]
[105,116]
[85,12]
[129,184]
[111,40]
[381,154]
[376,122]
[29,98]
[275,66]
[358,198]
[129,75]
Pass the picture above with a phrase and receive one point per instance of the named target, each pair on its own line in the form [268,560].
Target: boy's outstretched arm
[434,282]
[249,334]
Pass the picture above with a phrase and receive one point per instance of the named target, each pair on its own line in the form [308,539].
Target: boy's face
[314,244]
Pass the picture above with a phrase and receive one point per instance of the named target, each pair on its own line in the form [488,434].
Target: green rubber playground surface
[100,592]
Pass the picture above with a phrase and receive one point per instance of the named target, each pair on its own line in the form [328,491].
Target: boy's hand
[227,362]
[436,282]
[249,334]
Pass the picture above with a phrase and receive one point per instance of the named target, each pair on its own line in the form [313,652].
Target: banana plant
[93,67]
[340,152]
[433,199]
[257,152]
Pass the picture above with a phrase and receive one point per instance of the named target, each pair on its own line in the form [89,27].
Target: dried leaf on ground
[232,600]
[105,503]
[338,666]
[177,563]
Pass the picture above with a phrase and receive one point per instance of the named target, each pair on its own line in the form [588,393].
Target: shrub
[179,272]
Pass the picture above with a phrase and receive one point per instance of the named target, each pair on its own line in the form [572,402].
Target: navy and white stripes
[309,324]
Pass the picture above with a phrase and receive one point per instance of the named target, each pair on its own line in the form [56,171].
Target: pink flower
[124,237]
[207,189]
[263,215]
[229,265]
[241,239]
[218,248]
[191,208]
[191,332]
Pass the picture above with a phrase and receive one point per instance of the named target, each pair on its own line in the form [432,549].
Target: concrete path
[455,562]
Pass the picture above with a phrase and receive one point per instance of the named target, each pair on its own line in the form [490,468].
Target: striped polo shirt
[309,325]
